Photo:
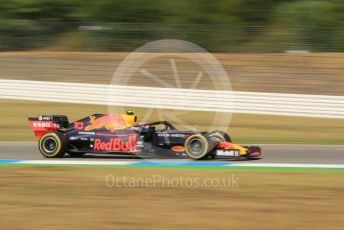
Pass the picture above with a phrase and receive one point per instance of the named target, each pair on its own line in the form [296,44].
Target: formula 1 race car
[121,134]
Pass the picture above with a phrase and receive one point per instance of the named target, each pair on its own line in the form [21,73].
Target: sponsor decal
[86,133]
[171,135]
[42,124]
[116,144]
[44,118]
[41,127]
[228,152]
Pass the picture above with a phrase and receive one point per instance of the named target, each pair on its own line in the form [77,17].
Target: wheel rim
[196,147]
[49,145]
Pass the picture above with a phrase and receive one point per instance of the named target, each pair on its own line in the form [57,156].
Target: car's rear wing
[43,123]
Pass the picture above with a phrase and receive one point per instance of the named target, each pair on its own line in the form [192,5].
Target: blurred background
[218,26]
[278,46]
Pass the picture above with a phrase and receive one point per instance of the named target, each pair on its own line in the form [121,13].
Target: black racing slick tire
[198,146]
[53,145]
[220,136]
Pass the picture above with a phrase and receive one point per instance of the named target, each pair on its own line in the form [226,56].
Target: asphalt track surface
[274,153]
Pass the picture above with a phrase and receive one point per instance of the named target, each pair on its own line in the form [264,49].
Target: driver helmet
[130,118]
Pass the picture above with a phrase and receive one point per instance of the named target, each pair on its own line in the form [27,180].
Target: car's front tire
[198,146]
[220,136]
[53,145]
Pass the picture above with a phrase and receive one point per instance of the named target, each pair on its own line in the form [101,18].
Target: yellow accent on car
[243,151]
[129,120]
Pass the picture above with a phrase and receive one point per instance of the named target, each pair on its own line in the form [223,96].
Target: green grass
[244,128]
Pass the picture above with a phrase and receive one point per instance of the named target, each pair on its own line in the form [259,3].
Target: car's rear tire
[220,136]
[53,145]
[198,146]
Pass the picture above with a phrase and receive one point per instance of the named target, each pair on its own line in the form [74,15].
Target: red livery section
[224,145]
[42,127]
[116,144]
[78,125]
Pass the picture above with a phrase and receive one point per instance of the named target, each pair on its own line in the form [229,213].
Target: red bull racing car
[121,134]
